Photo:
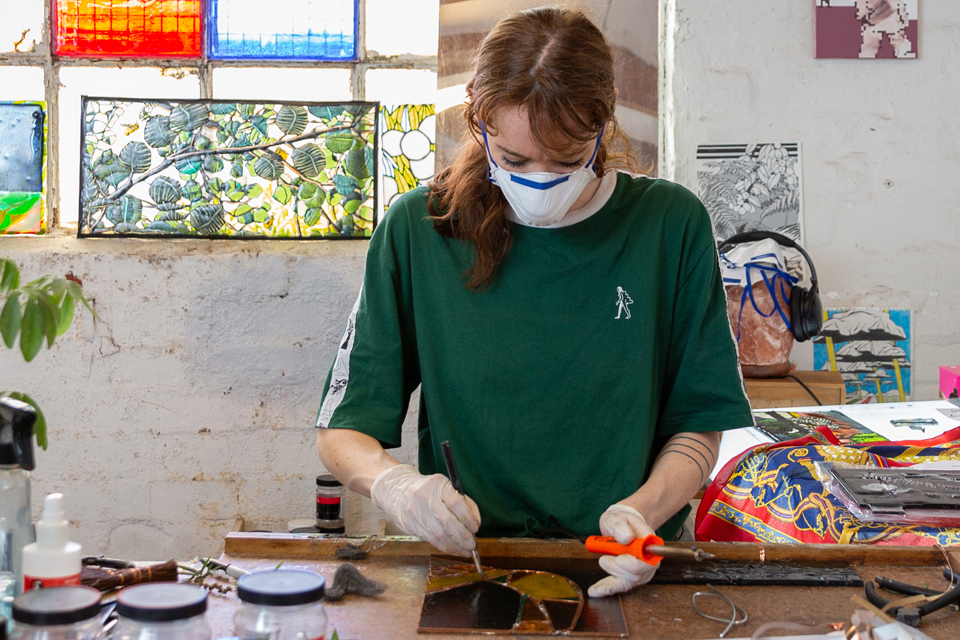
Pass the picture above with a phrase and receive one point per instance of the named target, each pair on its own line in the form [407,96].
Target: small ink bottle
[329,505]
[57,613]
[162,611]
[281,604]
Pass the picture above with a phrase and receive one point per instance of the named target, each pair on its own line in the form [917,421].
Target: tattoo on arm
[693,449]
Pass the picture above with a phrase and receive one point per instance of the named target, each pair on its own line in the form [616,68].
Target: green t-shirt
[558,384]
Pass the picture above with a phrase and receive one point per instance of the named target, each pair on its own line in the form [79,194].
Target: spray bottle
[16,527]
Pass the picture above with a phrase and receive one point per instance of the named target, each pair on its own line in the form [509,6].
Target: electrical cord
[808,389]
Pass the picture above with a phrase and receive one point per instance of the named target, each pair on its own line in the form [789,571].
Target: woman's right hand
[428,507]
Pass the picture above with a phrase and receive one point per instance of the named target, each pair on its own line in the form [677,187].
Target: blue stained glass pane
[283,29]
[21,147]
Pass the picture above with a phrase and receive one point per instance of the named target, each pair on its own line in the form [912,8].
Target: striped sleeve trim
[340,376]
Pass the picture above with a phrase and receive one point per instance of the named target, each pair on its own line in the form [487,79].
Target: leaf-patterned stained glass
[22,138]
[219,169]
[127,28]
[408,143]
[282,29]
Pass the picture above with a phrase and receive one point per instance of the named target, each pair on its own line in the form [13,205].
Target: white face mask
[541,198]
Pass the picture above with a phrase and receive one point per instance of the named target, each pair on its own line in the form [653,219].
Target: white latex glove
[428,507]
[626,572]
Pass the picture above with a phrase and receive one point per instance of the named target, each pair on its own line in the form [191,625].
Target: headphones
[806,310]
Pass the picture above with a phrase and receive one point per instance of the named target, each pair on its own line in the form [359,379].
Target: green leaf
[260,124]
[164,190]
[135,157]
[246,218]
[268,168]
[222,108]
[329,161]
[327,113]
[212,163]
[50,313]
[253,191]
[366,213]
[356,164]
[312,216]
[10,319]
[307,191]
[339,142]
[260,215]
[344,184]
[308,160]
[131,208]
[241,210]
[157,132]
[236,195]
[351,205]
[292,120]
[282,194]
[31,331]
[67,309]
[188,117]
[10,279]
[207,218]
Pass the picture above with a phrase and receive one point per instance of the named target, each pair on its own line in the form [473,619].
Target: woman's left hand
[626,572]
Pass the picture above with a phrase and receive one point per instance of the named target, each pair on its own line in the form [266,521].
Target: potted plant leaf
[36,312]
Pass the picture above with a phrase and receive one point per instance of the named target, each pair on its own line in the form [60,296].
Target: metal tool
[919,603]
[649,549]
[455,479]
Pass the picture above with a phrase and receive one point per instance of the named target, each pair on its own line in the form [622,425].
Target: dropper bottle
[52,561]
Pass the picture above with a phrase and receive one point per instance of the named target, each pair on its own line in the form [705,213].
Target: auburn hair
[558,66]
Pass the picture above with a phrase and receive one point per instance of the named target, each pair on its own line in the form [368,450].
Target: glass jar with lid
[283,604]
[57,613]
[162,611]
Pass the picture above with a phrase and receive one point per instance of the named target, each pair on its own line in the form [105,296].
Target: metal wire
[734,609]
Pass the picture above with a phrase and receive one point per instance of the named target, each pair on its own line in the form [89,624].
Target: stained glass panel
[127,28]
[22,136]
[217,169]
[408,149]
[282,29]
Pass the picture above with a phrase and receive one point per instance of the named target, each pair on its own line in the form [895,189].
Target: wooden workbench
[651,611]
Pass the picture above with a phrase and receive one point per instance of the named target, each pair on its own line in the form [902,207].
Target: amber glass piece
[458,574]
[127,28]
[544,585]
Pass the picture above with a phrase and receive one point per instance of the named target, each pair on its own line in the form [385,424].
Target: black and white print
[751,187]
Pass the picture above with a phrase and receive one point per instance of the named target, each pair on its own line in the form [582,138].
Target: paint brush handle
[455,481]
[451,466]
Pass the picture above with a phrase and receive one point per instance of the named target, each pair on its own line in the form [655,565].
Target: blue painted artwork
[871,349]
[282,29]
[21,147]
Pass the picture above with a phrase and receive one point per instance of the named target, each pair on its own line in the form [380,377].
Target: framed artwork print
[228,169]
[751,187]
[867,29]
[871,349]
[22,167]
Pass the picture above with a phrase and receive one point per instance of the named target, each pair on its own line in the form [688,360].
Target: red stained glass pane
[127,28]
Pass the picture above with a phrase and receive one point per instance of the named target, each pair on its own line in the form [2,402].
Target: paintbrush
[455,479]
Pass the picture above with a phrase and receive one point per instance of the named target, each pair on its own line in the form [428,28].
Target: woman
[496,290]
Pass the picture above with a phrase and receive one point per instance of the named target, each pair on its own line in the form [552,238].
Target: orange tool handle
[637,548]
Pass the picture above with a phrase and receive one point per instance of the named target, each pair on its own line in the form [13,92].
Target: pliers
[908,614]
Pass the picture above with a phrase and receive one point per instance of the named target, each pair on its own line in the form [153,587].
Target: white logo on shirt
[623,300]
